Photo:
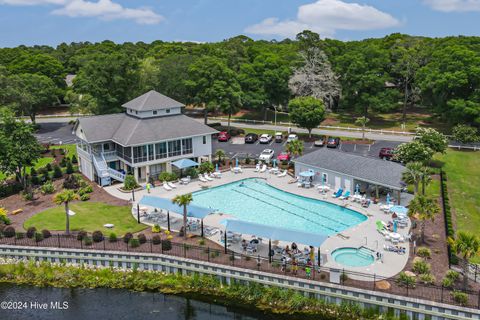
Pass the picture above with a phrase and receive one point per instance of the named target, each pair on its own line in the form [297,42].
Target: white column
[147,172]
[135,173]
[169,166]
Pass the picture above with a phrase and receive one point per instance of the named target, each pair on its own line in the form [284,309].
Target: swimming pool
[253,200]
[353,257]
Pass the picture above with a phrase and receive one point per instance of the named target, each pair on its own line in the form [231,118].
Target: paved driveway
[55,133]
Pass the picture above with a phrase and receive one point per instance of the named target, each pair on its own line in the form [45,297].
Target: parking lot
[237,148]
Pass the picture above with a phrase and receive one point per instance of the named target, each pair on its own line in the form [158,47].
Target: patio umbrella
[399,210]
[274,163]
[388,198]
[395,226]
[236,162]
[357,189]
[216,167]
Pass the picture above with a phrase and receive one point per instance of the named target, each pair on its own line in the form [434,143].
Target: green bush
[427,278]
[45,177]
[112,237]
[97,236]
[421,267]
[166,245]
[134,243]
[127,237]
[31,232]
[69,169]
[9,232]
[452,274]
[156,239]
[87,241]
[9,188]
[142,238]
[460,297]
[27,196]
[405,280]
[57,172]
[48,167]
[206,167]
[38,236]
[424,252]
[85,190]
[447,282]
[47,188]
[74,159]
[130,183]
[20,235]
[81,235]
[192,172]
[167,176]
[156,228]
[63,162]
[46,234]
[201,242]
[85,197]
[35,180]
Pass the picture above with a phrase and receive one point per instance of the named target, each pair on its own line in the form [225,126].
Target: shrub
[421,267]
[63,162]
[166,245]
[192,172]
[424,252]
[9,232]
[406,280]
[31,232]
[201,242]
[156,239]
[87,241]
[81,235]
[69,169]
[427,278]
[206,167]
[97,236]
[127,237]
[74,159]
[38,236]
[48,167]
[35,180]
[46,234]
[130,183]
[45,177]
[343,277]
[27,195]
[134,243]
[248,160]
[156,228]
[460,297]
[85,190]
[85,197]
[112,237]
[20,235]
[167,176]
[47,188]
[57,172]
[141,238]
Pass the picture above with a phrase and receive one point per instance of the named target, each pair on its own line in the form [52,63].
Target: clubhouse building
[144,140]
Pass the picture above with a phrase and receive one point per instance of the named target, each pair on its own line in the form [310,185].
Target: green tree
[80,103]
[432,139]
[362,121]
[465,134]
[183,200]
[111,79]
[413,174]
[130,183]
[220,154]
[307,112]
[40,64]
[295,148]
[212,84]
[413,151]
[468,246]
[19,148]
[65,197]
[425,209]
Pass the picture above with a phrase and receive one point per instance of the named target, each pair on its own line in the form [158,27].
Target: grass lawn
[70,149]
[42,162]
[90,216]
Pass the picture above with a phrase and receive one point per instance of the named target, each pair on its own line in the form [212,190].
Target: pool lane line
[300,216]
[308,210]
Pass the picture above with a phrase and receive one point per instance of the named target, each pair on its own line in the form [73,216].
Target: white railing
[100,167]
[110,155]
[290,124]
[83,153]
[117,175]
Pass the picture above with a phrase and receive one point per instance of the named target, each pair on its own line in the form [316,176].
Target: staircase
[104,172]
[365,252]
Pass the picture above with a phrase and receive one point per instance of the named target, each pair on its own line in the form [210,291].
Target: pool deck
[364,234]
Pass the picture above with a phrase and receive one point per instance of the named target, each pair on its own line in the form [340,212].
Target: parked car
[292,137]
[386,153]
[223,136]
[320,142]
[265,138]
[278,137]
[251,138]
[333,142]
[266,155]
[283,156]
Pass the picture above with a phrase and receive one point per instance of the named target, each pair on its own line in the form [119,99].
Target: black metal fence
[218,255]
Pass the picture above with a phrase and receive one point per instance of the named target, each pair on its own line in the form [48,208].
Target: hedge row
[9,188]
[448,215]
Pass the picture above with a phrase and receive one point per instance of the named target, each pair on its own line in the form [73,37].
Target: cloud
[102,9]
[325,17]
[454,5]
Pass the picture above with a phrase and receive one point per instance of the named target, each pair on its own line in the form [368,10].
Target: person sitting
[287,250]
[294,247]
[244,245]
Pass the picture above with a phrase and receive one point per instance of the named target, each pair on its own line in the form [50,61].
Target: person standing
[148,187]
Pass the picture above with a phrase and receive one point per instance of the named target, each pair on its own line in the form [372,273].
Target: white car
[292,137]
[266,155]
[265,138]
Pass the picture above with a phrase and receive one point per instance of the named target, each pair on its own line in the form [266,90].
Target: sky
[51,22]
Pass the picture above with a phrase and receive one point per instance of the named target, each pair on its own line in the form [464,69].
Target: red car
[284,156]
[386,153]
[223,136]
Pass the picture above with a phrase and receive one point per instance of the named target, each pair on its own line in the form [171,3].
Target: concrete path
[364,234]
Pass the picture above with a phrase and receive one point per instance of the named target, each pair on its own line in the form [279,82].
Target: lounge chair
[171,185]
[257,168]
[283,174]
[338,193]
[207,177]
[166,186]
[202,179]
[264,168]
[345,196]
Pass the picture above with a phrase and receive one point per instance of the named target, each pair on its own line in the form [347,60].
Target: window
[174,148]
[140,154]
[150,152]
[106,146]
[204,139]
[161,150]
[167,110]
[187,146]
[154,111]
[136,112]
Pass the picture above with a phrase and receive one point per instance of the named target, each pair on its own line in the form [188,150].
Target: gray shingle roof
[152,100]
[386,173]
[127,130]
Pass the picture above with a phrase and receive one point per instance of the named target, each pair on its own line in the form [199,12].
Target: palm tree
[425,177]
[467,245]
[65,197]
[220,154]
[413,174]
[183,200]
[295,148]
[424,208]
[362,121]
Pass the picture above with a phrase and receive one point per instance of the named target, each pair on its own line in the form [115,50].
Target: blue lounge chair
[338,193]
[345,196]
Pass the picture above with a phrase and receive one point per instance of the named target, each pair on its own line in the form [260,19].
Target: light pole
[275,108]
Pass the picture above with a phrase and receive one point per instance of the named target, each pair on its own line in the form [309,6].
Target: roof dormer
[152,104]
